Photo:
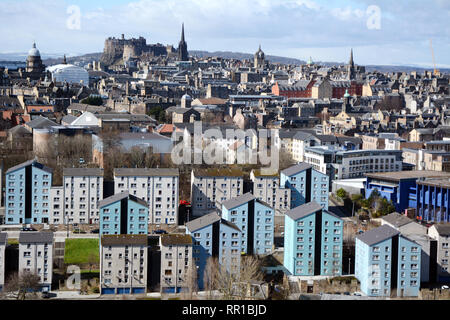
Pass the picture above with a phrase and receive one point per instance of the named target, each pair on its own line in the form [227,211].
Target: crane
[436,71]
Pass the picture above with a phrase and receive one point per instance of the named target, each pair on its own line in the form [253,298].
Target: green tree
[93,101]
[158,113]
[341,193]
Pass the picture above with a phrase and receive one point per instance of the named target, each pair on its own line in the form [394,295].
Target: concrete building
[387,263]
[417,233]
[176,262]
[215,237]
[3,243]
[267,188]
[210,187]
[306,185]
[123,264]
[57,205]
[27,193]
[36,256]
[159,187]
[83,189]
[123,213]
[255,219]
[313,241]
[441,233]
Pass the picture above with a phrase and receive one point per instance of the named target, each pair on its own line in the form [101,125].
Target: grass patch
[13,241]
[78,251]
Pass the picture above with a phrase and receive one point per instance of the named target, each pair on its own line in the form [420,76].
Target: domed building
[186,101]
[35,68]
[69,73]
[259,59]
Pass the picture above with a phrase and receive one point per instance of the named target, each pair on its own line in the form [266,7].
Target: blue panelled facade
[213,236]
[433,200]
[306,184]
[255,219]
[313,241]
[123,214]
[387,263]
[28,193]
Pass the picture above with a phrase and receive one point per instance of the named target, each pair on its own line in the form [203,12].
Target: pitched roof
[396,219]
[296,169]
[77,172]
[120,196]
[3,238]
[230,224]
[443,229]
[304,210]
[213,172]
[33,163]
[35,237]
[237,201]
[176,239]
[41,123]
[69,119]
[203,221]
[377,235]
[154,172]
[124,239]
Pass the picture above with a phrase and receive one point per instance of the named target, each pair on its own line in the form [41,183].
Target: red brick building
[339,87]
[301,89]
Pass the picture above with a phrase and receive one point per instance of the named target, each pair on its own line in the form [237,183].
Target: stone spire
[183,54]
[351,63]
[65,60]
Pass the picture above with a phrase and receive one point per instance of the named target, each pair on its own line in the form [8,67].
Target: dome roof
[259,53]
[34,52]
[186,97]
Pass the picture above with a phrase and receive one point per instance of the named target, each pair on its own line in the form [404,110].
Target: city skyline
[327,29]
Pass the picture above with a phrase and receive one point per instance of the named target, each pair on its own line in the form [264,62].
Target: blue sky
[324,30]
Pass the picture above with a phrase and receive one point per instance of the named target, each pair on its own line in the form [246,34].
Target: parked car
[346,293]
[160,231]
[95,231]
[29,229]
[45,294]
[357,294]
[445,287]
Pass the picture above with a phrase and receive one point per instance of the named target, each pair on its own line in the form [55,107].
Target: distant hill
[81,60]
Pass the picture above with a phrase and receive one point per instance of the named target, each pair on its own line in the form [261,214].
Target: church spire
[65,60]
[351,63]
[182,32]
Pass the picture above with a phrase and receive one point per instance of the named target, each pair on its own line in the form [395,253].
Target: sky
[381,32]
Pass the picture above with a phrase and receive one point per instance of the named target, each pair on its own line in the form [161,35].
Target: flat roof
[155,172]
[77,172]
[445,183]
[407,175]
[211,172]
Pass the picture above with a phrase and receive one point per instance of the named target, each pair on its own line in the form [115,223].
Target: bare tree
[210,276]
[22,284]
[191,283]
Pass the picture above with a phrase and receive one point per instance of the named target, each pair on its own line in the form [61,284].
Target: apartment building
[176,262]
[123,213]
[255,219]
[123,264]
[387,263]
[215,237]
[36,256]
[313,241]
[27,193]
[83,189]
[306,184]
[159,187]
[432,199]
[267,188]
[3,243]
[57,205]
[356,163]
[441,233]
[210,187]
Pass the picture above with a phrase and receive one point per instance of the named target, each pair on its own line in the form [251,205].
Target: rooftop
[28,163]
[76,172]
[35,237]
[296,169]
[203,221]
[396,219]
[304,210]
[377,235]
[405,175]
[211,172]
[237,201]
[176,239]
[443,229]
[120,196]
[124,239]
[146,172]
